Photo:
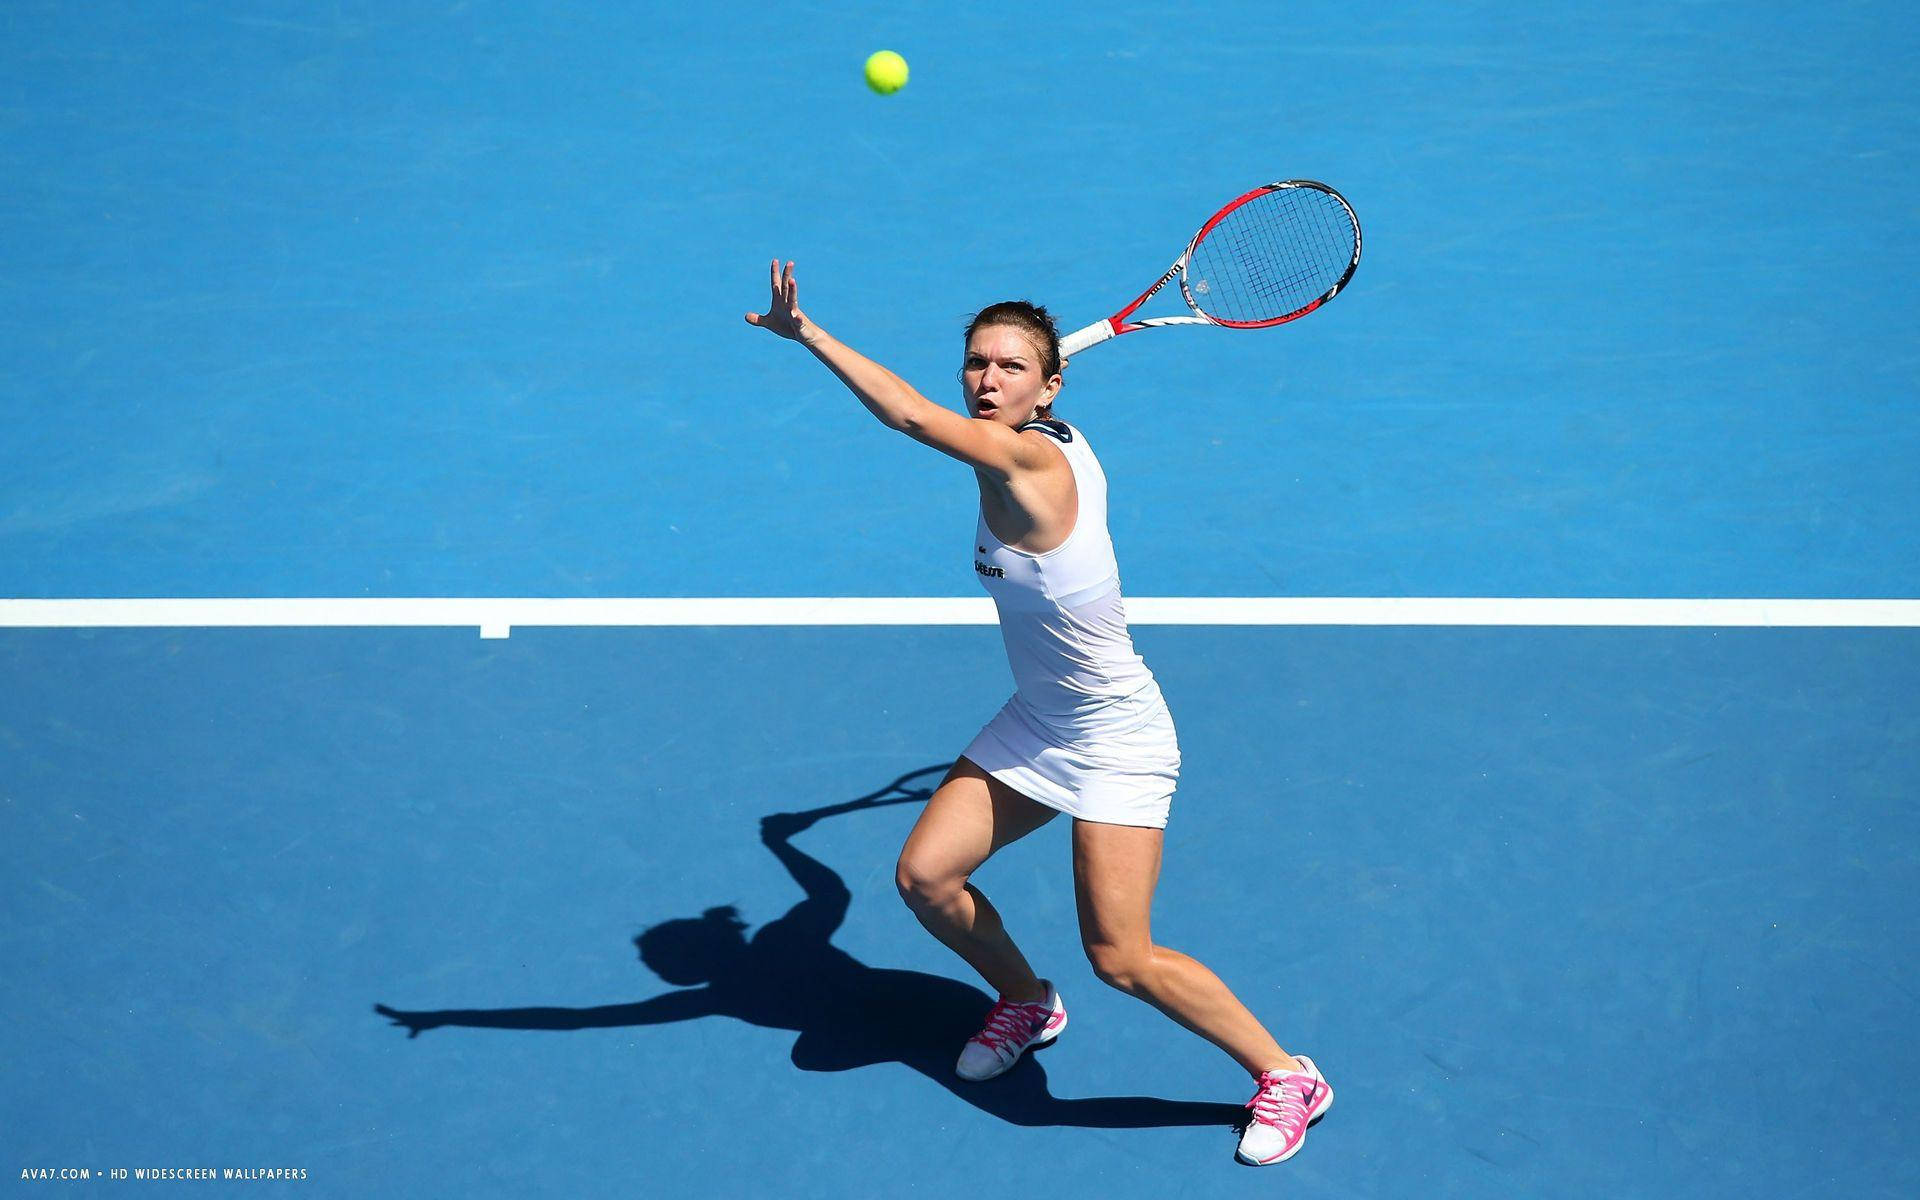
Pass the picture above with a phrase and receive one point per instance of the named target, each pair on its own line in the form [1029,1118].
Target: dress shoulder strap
[1059,431]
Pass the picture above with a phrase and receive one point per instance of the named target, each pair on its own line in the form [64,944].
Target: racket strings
[1272,256]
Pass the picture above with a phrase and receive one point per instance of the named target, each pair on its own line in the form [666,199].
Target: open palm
[783,315]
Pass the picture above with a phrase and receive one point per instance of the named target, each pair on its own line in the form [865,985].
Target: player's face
[1004,377]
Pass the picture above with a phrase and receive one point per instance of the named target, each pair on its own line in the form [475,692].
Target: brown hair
[1034,321]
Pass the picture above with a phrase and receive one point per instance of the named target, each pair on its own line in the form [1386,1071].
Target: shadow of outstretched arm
[684,1005]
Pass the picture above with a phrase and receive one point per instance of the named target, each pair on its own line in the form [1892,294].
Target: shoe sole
[1038,1044]
[1313,1118]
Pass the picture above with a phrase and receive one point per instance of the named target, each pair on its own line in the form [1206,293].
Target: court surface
[441,302]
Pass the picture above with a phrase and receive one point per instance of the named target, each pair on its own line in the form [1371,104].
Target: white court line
[496,617]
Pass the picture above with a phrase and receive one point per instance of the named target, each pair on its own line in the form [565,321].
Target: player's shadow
[790,975]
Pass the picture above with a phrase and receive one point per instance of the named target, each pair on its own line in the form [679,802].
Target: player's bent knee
[921,887]
[1121,967]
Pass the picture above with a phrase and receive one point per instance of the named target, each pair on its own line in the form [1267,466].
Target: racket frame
[1117,324]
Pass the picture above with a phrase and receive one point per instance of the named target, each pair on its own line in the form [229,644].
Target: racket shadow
[848,1015]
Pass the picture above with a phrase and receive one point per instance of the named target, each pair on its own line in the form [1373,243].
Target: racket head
[1271,256]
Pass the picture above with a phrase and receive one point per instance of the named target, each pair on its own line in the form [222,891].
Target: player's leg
[970,817]
[1115,868]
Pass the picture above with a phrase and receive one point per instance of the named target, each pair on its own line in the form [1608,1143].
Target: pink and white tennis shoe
[1287,1102]
[1011,1030]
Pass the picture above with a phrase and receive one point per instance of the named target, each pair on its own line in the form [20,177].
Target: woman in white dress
[1086,732]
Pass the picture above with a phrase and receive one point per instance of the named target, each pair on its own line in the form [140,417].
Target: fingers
[784,311]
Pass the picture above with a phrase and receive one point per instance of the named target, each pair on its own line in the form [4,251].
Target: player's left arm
[984,445]
[897,404]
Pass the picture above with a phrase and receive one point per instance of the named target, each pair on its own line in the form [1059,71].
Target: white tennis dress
[1087,731]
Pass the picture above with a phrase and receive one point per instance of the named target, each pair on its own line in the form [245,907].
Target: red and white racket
[1269,257]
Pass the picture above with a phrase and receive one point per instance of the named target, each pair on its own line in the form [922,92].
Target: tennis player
[1086,732]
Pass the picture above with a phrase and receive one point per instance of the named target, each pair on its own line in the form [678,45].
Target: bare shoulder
[1041,446]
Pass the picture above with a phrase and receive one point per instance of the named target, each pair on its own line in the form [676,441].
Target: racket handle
[1080,339]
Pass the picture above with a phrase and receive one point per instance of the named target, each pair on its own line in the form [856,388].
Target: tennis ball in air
[886,72]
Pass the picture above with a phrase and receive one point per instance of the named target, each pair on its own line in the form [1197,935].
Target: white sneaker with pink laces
[1287,1102]
[1011,1030]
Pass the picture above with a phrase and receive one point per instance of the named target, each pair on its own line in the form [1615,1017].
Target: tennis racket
[1269,257]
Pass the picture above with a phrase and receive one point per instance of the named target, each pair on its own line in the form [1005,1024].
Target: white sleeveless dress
[1087,731]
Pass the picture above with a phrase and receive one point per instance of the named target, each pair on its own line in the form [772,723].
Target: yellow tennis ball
[886,72]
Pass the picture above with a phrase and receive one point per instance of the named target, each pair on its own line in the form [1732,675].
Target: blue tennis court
[443,302]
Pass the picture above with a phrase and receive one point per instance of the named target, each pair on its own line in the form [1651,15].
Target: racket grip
[1080,339]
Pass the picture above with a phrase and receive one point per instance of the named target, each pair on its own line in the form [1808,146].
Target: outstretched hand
[415,1023]
[783,315]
